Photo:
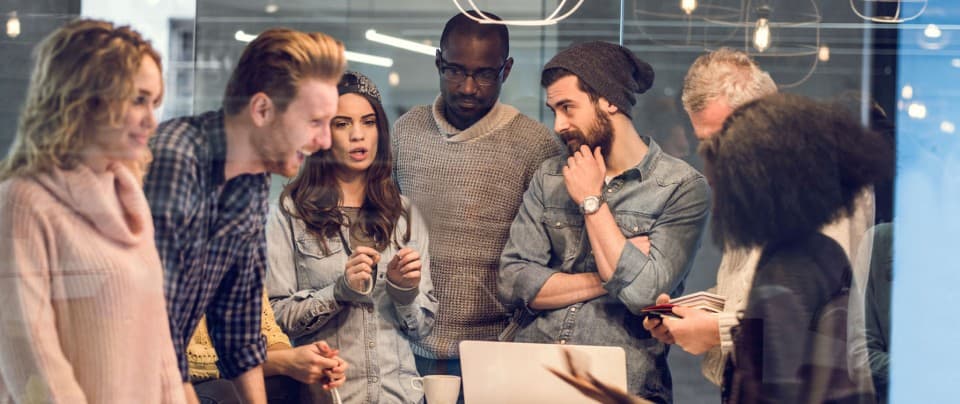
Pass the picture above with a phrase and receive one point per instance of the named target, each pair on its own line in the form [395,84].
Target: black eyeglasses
[483,77]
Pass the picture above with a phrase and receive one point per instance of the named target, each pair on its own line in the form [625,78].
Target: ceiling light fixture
[688,6]
[373,35]
[351,56]
[552,19]
[896,17]
[13,25]
[761,31]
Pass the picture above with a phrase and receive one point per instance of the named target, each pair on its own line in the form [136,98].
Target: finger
[411,256]
[663,298]
[650,322]
[411,266]
[598,156]
[359,258]
[369,252]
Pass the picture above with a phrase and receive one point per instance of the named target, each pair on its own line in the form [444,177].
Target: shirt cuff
[243,359]
[726,321]
[629,267]
[403,296]
[344,293]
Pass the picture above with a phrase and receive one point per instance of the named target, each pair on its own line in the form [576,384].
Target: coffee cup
[438,389]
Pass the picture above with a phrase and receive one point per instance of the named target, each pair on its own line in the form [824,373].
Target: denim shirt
[312,303]
[662,198]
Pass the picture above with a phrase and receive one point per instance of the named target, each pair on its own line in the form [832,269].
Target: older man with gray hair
[716,84]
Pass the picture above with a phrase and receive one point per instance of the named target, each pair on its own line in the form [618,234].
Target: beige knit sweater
[81,292]
[469,185]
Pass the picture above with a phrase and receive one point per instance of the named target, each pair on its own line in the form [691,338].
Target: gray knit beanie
[611,70]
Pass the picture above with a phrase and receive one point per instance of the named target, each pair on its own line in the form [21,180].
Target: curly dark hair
[784,165]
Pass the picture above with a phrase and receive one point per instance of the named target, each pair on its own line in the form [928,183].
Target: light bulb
[271,8]
[13,25]
[688,6]
[394,79]
[906,92]
[947,127]
[823,54]
[932,31]
[917,110]
[761,34]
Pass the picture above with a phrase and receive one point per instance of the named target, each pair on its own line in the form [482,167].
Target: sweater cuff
[403,296]
[726,321]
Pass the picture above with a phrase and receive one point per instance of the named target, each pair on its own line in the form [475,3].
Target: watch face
[591,204]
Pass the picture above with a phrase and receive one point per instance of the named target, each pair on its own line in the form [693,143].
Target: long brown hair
[316,195]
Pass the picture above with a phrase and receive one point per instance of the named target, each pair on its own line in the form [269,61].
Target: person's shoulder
[181,135]
[672,170]
[415,115]
[22,192]
[530,125]
[552,166]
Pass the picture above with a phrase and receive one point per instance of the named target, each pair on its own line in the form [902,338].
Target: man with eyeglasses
[465,162]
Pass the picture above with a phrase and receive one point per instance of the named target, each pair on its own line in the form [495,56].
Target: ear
[436,60]
[261,108]
[507,65]
[607,106]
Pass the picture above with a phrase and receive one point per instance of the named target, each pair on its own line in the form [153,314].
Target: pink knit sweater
[82,310]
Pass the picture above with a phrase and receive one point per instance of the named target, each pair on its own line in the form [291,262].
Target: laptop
[516,373]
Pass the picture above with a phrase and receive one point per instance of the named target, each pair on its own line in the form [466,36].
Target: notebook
[515,372]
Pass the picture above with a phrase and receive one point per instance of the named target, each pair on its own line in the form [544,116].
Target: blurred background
[904,54]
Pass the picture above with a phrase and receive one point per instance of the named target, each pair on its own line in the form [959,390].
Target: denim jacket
[662,198]
[312,302]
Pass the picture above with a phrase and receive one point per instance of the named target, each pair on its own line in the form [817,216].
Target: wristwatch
[591,204]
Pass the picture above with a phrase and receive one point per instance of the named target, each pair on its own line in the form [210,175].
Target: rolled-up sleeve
[235,312]
[674,238]
[523,264]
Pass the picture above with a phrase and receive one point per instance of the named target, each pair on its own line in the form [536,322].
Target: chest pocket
[316,269]
[565,231]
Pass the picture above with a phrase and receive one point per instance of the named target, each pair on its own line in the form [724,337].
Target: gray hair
[727,74]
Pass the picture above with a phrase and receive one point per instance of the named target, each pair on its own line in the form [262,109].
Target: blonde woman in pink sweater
[81,287]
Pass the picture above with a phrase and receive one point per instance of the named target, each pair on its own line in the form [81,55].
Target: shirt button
[635,228]
[609,190]
[559,224]
[373,379]
[563,341]
[573,309]
[371,344]
[369,309]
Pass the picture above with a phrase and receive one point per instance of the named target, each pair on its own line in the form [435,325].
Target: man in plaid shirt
[208,188]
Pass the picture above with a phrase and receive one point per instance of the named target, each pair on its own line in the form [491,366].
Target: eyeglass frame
[443,64]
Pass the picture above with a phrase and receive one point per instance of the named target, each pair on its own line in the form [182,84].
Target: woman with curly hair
[348,257]
[783,167]
[81,286]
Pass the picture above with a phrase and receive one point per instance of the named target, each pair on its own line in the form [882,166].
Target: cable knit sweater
[81,292]
[469,185]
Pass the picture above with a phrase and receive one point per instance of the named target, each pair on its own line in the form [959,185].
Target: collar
[497,117]
[213,127]
[645,168]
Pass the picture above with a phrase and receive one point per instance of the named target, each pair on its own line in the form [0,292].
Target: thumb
[683,311]
[663,298]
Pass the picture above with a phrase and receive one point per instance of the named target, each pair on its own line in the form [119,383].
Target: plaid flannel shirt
[210,234]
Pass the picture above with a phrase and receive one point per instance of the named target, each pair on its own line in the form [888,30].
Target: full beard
[600,135]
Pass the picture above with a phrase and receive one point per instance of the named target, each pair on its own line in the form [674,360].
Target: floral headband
[353,82]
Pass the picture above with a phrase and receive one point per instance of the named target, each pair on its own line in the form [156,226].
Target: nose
[322,141]
[356,134]
[150,121]
[560,124]
[469,85]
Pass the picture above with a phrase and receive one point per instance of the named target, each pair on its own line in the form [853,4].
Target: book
[706,301]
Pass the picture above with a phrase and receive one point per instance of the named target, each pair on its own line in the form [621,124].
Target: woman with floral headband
[348,257]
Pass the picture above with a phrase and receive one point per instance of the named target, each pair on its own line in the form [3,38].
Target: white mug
[439,389]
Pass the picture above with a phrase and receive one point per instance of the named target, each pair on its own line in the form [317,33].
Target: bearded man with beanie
[603,231]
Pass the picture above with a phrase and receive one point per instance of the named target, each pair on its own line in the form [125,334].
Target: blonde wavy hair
[81,81]
[277,60]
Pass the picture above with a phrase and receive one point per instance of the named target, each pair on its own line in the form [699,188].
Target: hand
[584,174]
[308,364]
[336,375]
[404,269]
[642,243]
[656,326]
[359,269]
[696,332]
